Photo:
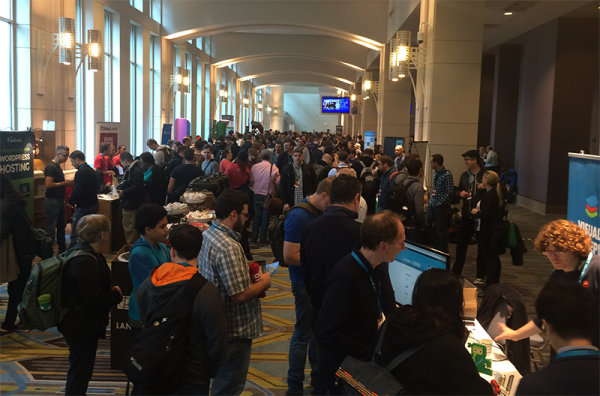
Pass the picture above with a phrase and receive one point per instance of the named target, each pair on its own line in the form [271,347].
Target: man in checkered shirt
[223,263]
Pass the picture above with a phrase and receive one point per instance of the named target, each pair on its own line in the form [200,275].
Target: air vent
[520,6]
[490,25]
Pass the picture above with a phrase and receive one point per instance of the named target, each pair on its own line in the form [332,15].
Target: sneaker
[479,281]
[4,332]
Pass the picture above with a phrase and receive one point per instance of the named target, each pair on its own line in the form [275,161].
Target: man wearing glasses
[55,197]
[471,191]
[223,263]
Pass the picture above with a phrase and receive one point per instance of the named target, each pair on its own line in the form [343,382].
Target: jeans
[82,355]
[231,377]
[302,341]
[467,228]
[79,213]
[15,293]
[436,219]
[55,219]
[261,218]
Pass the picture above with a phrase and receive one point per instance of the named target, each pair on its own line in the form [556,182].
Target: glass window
[155,126]
[6,75]
[6,9]
[132,91]
[188,97]
[156,10]
[199,95]
[199,43]
[79,117]
[139,4]
[207,120]
[151,87]
[107,68]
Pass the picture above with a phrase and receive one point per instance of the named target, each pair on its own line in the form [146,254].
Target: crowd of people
[349,210]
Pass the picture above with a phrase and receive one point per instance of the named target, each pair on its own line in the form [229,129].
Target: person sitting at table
[568,248]
[570,316]
[443,366]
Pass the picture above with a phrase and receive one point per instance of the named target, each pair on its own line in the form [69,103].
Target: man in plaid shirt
[223,263]
[439,209]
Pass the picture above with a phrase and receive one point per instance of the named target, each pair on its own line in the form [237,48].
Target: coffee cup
[488,347]
[45,301]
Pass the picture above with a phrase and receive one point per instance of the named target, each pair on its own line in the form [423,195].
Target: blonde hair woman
[490,227]
[89,295]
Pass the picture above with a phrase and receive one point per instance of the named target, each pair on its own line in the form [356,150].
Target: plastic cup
[45,301]
[488,347]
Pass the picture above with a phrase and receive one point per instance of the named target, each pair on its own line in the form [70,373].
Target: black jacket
[442,367]
[14,220]
[208,327]
[490,213]
[576,375]
[87,287]
[84,187]
[283,160]
[325,241]
[156,192]
[288,178]
[463,185]
[517,351]
[133,187]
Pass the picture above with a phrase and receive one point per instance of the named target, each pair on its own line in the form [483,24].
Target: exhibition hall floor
[35,363]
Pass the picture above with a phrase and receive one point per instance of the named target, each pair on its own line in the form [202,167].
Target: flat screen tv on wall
[335,105]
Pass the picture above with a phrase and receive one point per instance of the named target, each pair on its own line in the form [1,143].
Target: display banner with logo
[108,133]
[166,133]
[16,161]
[584,193]
[369,140]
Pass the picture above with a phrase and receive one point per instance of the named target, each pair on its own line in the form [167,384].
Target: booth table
[500,364]
[109,207]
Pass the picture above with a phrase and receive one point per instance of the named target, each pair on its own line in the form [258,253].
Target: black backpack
[399,201]
[277,230]
[155,363]
[370,182]
[169,157]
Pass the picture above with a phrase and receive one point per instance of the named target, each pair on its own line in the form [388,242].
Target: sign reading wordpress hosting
[584,193]
[16,161]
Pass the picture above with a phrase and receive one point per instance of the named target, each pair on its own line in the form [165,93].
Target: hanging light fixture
[399,55]
[246,101]
[367,81]
[353,97]
[94,50]
[66,40]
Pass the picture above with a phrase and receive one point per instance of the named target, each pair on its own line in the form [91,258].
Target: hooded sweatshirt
[442,367]
[143,257]
[208,323]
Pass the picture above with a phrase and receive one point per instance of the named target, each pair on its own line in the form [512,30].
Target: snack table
[500,364]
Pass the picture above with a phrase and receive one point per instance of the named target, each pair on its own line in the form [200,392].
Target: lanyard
[585,267]
[371,278]
[578,352]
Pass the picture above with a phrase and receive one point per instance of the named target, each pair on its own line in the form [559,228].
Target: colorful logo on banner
[591,206]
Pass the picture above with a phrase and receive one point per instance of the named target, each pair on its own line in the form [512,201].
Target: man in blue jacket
[147,253]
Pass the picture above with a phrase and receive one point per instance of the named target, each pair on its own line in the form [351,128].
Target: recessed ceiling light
[508,13]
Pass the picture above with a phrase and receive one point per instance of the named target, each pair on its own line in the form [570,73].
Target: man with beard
[223,263]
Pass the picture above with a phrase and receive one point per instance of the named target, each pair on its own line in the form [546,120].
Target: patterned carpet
[35,363]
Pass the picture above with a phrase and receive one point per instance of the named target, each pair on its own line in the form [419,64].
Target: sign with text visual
[16,161]
[369,140]
[107,133]
[166,133]
[584,193]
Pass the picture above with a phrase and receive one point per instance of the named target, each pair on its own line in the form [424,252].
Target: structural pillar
[448,95]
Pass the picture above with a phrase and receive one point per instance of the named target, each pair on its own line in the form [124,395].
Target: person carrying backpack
[195,330]
[17,242]
[415,224]
[88,294]
[370,182]
[389,178]
[163,154]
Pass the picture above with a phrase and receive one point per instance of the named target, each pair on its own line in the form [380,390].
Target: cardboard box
[470,296]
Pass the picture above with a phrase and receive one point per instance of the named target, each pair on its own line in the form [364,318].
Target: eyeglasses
[63,155]
[468,159]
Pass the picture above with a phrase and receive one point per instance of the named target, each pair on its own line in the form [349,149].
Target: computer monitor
[409,264]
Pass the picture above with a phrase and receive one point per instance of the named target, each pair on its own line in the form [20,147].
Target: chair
[537,343]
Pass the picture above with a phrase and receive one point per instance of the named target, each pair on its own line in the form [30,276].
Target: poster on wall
[369,140]
[166,133]
[108,133]
[16,161]
[584,193]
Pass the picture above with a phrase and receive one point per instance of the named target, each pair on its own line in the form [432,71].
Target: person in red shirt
[100,163]
[226,158]
[110,165]
[117,158]
[239,173]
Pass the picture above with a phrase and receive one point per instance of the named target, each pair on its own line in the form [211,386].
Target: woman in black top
[489,212]
[569,249]
[14,223]
[443,366]
[89,295]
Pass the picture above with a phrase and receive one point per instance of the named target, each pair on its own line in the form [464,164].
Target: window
[206,100]
[199,80]
[199,43]
[156,10]
[132,90]
[151,89]
[176,64]
[139,4]
[6,70]
[79,118]
[107,68]
[188,97]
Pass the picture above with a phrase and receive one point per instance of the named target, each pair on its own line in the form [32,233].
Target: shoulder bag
[272,203]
